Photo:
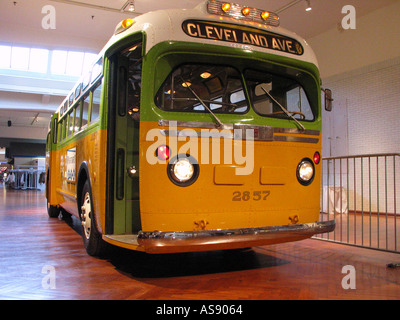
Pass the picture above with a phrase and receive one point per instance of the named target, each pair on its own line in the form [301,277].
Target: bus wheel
[53,211]
[94,244]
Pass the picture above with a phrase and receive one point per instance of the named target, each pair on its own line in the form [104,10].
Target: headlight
[305,172]
[183,170]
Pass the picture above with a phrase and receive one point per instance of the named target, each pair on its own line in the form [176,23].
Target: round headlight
[305,172]
[183,170]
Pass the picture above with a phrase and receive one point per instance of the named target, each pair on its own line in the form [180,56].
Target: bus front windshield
[222,90]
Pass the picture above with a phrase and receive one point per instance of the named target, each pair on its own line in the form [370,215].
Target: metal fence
[361,193]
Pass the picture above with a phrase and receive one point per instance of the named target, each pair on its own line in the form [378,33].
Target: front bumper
[170,242]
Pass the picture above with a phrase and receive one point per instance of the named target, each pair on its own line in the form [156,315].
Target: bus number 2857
[247,195]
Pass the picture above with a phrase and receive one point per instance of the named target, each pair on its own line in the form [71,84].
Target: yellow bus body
[139,206]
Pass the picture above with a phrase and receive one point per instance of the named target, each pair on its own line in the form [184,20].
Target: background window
[62,62]
[58,62]
[5,54]
[38,60]
[20,58]
[74,63]
[88,61]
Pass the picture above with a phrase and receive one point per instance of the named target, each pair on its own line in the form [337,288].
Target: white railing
[361,193]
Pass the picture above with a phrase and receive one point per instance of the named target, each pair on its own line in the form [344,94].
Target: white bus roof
[198,25]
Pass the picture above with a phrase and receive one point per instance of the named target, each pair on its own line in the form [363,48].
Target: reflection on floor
[34,248]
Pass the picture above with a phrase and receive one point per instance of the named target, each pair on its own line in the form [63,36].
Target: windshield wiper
[219,123]
[283,108]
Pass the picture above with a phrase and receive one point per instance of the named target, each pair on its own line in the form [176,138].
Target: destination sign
[244,35]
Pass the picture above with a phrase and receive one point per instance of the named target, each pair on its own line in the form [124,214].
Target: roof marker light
[225,7]
[127,23]
[239,12]
[246,11]
[124,25]
[265,15]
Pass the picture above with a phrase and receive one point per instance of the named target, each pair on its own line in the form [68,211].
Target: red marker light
[317,158]
[163,152]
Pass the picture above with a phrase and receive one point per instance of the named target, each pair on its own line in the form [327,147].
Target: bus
[194,130]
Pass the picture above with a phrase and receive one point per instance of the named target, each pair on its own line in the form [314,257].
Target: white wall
[362,67]
[375,39]
[367,100]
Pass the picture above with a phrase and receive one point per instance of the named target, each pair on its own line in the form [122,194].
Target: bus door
[124,112]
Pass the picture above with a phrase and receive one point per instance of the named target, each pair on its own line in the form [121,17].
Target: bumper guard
[169,242]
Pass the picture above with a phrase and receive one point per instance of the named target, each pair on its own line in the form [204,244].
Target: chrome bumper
[169,242]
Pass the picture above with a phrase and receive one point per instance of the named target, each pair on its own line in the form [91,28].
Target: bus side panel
[91,151]
[52,181]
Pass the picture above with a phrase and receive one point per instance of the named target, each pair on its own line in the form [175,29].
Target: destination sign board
[241,34]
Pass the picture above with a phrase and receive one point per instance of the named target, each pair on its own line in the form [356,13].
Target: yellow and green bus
[195,130]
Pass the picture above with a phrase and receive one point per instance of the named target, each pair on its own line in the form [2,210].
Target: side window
[97,70]
[71,99]
[96,98]
[77,124]
[64,125]
[78,91]
[59,131]
[48,147]
[55,133]
[70,121]
[86,81]
[85,109]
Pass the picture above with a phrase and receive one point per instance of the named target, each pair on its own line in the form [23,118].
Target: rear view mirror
[328,99]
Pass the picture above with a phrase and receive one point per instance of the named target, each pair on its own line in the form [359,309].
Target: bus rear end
[225,143]
[225,167]
[230,135]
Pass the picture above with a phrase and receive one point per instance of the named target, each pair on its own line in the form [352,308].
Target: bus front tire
[94,244]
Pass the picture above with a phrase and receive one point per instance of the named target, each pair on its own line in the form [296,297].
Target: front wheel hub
[86,215]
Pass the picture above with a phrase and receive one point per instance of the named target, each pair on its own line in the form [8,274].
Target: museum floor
[44,259]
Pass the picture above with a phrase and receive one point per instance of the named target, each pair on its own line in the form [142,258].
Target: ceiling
[97,18]
[88,24]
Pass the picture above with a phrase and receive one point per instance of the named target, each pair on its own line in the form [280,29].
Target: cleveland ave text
[244,35]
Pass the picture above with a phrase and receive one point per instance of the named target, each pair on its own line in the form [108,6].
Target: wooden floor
[32,246]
